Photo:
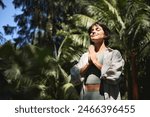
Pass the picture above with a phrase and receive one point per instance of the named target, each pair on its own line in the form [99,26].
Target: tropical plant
[130,27]
[40,58]
[31,73]
[53,35]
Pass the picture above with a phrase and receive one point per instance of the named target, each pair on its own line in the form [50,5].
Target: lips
[94,35]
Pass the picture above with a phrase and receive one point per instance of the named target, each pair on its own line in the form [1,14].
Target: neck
[99,47]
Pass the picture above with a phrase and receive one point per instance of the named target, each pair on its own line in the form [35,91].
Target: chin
[95,40]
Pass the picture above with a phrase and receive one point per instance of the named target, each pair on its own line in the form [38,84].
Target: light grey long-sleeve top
[111,70]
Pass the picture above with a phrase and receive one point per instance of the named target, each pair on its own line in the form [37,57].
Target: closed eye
[98,29]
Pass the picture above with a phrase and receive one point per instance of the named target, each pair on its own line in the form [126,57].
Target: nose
[93,32]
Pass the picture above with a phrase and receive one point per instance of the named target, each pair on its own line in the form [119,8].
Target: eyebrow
[97,27]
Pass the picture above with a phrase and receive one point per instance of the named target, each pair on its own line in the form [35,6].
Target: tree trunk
[135,95]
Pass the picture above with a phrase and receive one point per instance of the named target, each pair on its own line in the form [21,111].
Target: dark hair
[106,30]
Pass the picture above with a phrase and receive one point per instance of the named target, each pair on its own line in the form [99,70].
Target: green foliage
[129,22]
[32,73]
[52,35]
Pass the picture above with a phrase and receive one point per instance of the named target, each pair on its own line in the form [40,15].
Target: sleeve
[112,75]
[75,70]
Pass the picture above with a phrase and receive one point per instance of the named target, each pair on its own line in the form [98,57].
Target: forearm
[84,69]
[97,64]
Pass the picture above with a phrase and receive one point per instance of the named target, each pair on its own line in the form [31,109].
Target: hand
[92,54]
[91,49]
[93,58]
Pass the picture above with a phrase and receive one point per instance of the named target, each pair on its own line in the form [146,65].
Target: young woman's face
[97,34]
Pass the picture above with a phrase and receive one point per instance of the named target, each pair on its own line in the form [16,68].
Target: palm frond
[80,39]
[83,20]
[116,13]
[13,73]
[95,12]
[69,92]
[64,74]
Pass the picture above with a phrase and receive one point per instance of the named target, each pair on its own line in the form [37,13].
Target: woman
[99,68]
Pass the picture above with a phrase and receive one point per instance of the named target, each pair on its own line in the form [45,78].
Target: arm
[84,69]
[79,69]
[112,75]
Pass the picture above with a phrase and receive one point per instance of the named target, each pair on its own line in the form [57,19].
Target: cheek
[103,35]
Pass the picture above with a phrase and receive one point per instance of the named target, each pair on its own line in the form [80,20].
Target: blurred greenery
[52,35]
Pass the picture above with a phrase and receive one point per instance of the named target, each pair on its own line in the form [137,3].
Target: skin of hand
[92,54]
[92,57]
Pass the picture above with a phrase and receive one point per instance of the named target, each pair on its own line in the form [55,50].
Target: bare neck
[100,47]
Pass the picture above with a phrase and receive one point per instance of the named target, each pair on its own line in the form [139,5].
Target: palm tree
[31,72]
[57,40]
[135,39]
[130,26]
[43,66]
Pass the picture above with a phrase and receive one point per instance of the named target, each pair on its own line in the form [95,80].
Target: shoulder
[84,55]
[113,54]
[113,51]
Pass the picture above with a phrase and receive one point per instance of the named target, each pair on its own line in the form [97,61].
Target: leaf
[69,91]
[83,20]
[116,13]
[13,73]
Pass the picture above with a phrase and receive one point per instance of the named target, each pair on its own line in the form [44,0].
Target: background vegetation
[52,35]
